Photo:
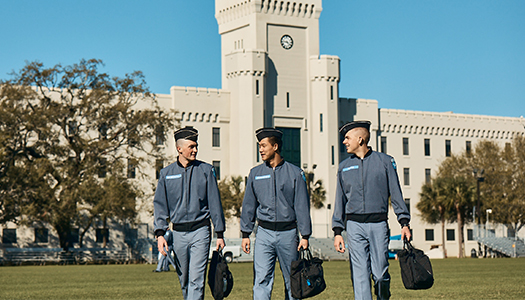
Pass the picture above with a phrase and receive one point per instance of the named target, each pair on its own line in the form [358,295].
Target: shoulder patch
[394,164]
[304,177]
[213,171]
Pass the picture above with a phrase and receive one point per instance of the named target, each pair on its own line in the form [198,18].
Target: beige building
[274,76]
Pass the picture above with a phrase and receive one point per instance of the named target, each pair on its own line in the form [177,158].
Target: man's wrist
[337,230]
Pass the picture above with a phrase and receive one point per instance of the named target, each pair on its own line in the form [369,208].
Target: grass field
[502,278]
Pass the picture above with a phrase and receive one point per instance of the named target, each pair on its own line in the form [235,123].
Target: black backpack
[220,279]
[306,276]
[416,270]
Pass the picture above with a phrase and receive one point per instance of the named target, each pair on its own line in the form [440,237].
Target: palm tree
[316,190]
[433,206]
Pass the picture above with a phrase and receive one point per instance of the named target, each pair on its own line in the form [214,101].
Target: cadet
[365,181]
[187,195]
[275,195]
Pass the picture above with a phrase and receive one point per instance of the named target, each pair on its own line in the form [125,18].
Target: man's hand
[303,244]
[246,245]
[161,243]
[339,243]
[220,244]
[405,232]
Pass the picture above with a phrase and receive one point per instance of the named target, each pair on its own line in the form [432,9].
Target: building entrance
[291,145]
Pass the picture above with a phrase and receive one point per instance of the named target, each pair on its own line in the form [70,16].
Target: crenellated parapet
[324,68]
[245,63]
[202,105]
[230,10]
[450,124]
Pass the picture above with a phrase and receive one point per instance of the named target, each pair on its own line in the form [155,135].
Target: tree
[433,206]
[231,196]
[66,136]
[316,190]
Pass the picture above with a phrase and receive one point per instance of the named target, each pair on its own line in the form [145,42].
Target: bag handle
[407,245]
[305,254]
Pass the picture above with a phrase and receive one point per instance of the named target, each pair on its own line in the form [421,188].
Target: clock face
[286,42]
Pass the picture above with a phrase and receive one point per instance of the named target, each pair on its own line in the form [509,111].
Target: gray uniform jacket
[363,188]
[276,195]
[187,195]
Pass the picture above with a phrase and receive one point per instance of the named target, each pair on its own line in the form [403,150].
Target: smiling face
[267,149]
[187,149]
[356,139]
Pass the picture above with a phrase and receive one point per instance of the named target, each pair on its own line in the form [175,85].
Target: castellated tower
[272,68]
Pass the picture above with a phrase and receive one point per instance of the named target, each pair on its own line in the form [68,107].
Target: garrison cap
[262,133]
[187,133]
[355,124]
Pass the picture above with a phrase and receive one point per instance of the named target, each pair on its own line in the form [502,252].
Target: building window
[41,235]
[216,137]
[217,166]
[73,236]
[383,144]
[447,148]
[159,164]
[405,146]
[131,168]
[102,167]
[407,203]
[427,147]
[256,87]
[470,235]
[72,128]
[429,234]
[333,156]
[101,234]
[8,236]
[451,236]
[257,154]
[321,122]
[468,146]
[159,135]
[406,176]
[287,100]
[103,131]
[331,92]
[427,175]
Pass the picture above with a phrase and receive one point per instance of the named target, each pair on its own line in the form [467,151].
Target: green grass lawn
[502,278]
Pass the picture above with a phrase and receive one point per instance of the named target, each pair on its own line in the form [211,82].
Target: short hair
[275,140]
[362,132]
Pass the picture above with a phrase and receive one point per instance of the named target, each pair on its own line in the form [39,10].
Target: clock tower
[272,68]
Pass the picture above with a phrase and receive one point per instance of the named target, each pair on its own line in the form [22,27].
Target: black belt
[191,226]
[277,226]
[367,218]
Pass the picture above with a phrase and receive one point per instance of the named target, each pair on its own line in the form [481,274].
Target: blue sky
[465,56]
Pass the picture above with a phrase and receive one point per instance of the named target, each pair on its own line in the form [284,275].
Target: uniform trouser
[368,248]
[269,245]
[163,264]
[192,249]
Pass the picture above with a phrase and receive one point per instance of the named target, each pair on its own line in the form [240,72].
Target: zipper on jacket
[274,194]
[363,182]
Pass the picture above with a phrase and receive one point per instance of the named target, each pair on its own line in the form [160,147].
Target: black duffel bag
[306,276]
[220,279]
[416,270]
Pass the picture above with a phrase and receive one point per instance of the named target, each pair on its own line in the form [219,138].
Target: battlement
[450,124]
[229,10]
[324,68]
[198,91]
[245,62]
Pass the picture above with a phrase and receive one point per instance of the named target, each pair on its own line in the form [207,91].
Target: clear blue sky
[465,56]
